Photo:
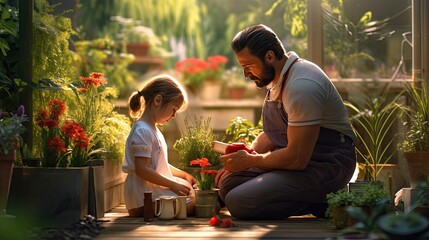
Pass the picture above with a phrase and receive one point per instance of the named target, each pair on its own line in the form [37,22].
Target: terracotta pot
[6,168]
[418,167]
[138,49]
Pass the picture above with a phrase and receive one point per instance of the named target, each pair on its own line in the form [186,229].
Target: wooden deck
[118,225]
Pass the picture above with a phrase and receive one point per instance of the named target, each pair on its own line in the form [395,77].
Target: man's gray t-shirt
[309,98]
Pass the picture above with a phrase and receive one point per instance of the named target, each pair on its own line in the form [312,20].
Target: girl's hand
[181,190]
[188,177]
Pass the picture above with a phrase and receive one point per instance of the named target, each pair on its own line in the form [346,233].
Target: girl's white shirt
[144,141]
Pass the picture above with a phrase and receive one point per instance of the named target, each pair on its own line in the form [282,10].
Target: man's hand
[237,161]
[221,174]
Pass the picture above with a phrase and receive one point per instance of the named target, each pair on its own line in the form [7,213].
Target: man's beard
[267,76]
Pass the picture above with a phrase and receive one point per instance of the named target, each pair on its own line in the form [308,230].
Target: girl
[146,160]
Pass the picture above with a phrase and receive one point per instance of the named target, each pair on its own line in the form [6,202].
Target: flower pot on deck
[206,202]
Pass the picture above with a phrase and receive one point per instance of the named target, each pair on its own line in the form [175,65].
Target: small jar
[148,207]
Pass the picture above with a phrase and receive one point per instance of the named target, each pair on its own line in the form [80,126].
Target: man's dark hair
[259,39]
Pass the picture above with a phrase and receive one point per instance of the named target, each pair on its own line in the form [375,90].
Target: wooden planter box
[114,180]
[49,197]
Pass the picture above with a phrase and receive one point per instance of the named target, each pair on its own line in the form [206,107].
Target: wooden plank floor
[118,225]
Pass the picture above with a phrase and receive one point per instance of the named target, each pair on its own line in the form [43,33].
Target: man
[306,149]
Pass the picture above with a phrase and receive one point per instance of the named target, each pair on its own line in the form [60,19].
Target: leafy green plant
[11,129]
[370,195]
[403,225]
[366,222]
[417,132]
[242,130]
[373,121]
[340,198]
[344,39]
[52,57]
[106,56]
[196,141]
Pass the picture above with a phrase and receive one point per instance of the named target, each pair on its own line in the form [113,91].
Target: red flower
[214,221]
[44,119]
[203,162]
[56,144]
[56,108]
[75,131]
[95,79]
[226,223]
[210,171]
[220,222]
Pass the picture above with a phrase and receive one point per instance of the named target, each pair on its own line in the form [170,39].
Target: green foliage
[371,194]
[344,38]
[10,85]
[242,130]
[366,222]
[108,129]
[403,225]
[374,120]
[112,135]
[196,142]
[369,197]
[11,129]
[417,133]
[52,58]
[106,56]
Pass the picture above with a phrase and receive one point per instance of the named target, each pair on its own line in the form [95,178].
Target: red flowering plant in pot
[204,176]
[64,141]
[76,142]
[195,71]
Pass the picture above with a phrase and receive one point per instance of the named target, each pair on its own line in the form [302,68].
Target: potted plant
[367,200]
[72,141]
[201,76]
[195,143]
[107,56]
[337,203]
[11,129]
[416,140]
[206,196]
[242,130]
[373,118]
[365,222]
[236,84]
[139,40]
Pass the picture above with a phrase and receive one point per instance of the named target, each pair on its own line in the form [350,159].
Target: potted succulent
[11,129]
[416,140]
